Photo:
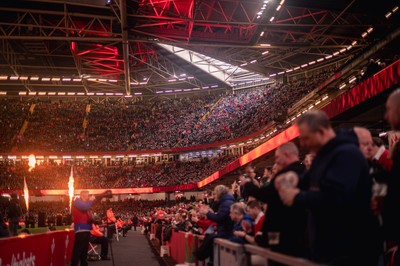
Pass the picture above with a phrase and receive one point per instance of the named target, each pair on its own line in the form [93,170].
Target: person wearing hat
[82,217]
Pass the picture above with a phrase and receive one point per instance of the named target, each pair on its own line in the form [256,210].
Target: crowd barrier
[182,245]
[52,248]
[269,255]
[232,254]
[229,253]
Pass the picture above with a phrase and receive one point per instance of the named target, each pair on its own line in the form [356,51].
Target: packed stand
[147,125]
[159,123]
[246,112]
[53,176]
[54,126]
[13,114]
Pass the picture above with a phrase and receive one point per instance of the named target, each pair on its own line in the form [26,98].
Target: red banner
[141,190]
[383,80]
[53,248]
[175,188]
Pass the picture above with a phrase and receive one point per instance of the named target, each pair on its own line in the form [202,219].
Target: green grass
[39,230]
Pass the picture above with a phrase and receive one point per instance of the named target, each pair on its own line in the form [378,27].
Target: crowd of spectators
[89,176]
[13,114]
[150,124]
[54,126]
[245,112]
[144,210]
[125,208]
[144,125]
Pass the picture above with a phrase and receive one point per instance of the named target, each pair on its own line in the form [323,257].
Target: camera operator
[82,217]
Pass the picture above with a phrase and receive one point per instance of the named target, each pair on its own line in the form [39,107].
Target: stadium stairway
[85,119]
[134,249]
[209,111]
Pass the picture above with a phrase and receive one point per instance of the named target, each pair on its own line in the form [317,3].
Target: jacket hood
[227,196]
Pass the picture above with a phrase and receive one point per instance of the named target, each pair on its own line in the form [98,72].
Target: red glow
[102,59]
[52,192]
[283,137]
[73,47]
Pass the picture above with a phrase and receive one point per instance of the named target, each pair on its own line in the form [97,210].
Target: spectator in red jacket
[81,214]
[202,221]
[381,154]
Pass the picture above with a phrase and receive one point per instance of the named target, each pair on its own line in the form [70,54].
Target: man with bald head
[377,172]
[392,200]
[379,178]
[365,141]
[337,193]
[284,226]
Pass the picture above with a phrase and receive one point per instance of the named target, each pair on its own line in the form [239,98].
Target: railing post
[216,254]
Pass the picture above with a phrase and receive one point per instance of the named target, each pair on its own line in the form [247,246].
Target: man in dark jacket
[391,222]
[284,227]
[221,217]
[224,201]
[337,193]
[14,214]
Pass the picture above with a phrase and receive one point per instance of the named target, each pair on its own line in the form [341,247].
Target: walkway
[134,249]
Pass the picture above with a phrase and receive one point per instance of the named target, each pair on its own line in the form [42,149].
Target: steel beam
[125,46]
[12,59]
[167,69]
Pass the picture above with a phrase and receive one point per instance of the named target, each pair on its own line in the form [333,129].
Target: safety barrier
[269,255]
[182,245]
[229,253]
[53,248]
[232,254]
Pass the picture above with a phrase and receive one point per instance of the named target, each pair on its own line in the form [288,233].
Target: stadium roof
[149,46]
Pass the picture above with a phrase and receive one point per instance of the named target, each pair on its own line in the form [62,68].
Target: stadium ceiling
[148,46]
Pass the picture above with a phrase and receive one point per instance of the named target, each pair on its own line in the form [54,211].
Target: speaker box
[42,219]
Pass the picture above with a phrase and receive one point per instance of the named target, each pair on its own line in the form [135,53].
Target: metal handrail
[278,257]
[224,250]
